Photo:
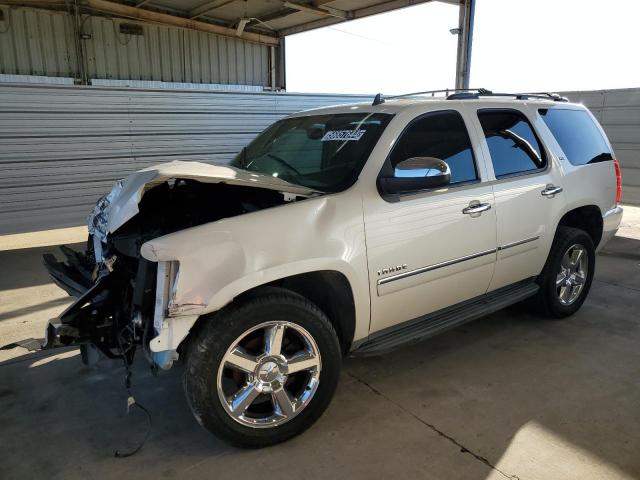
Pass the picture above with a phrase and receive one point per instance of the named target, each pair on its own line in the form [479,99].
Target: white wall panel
[61,147]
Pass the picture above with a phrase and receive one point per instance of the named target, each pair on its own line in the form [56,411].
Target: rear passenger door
[527,190]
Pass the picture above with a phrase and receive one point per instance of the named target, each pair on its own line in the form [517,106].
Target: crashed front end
[125,300]
[121,297]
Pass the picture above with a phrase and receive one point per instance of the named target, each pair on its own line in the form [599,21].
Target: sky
[518,45]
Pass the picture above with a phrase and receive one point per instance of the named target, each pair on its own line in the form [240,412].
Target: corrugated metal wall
[37,42]
[61,147]
[173,55]
[619,113]
[41,42]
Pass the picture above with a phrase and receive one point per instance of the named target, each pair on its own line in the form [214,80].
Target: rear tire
[567,275]
[248,354]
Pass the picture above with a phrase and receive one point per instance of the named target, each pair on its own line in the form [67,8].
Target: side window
[578,136]
[513,145]
[441,135]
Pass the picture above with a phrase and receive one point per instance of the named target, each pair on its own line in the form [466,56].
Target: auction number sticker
[343,135]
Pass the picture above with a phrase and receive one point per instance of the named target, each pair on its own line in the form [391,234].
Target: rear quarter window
[513,145]
[577,134]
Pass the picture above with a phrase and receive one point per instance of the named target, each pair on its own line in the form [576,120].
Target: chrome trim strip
[519,242]
[435,266]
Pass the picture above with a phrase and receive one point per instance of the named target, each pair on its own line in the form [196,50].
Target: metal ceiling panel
[300,18]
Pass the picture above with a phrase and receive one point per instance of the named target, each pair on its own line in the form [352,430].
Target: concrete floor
[507,396]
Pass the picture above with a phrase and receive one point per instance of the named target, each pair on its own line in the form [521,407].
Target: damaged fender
[218,261]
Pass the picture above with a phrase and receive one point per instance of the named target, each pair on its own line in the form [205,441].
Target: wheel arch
[587,218]
[329,289]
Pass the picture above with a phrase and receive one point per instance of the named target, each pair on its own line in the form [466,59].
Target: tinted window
[323,152]
[513,145]
[577,135]
[441,135]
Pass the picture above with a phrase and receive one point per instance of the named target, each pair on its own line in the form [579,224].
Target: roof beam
[285,12]
[276,14]
[363,12]
[325,11]
[208,7]
[141,14]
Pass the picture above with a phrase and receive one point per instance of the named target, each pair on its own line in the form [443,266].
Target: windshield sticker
[343,135]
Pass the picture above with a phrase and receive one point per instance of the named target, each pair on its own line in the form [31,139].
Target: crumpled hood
[121,204]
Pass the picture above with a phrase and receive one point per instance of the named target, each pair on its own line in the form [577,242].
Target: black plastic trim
[445,319]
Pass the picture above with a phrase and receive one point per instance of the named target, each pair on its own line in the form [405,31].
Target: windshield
[322,152]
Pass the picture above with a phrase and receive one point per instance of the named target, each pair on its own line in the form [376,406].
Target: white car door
[528,191]
[430,249]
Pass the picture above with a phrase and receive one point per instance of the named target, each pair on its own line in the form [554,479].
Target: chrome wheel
[269,374]
[573,274]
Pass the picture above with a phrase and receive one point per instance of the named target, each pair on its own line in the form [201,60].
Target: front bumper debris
[53,334]
[114,306]
[31,344]
[74,274]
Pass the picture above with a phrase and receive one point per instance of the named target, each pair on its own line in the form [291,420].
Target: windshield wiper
[243,158]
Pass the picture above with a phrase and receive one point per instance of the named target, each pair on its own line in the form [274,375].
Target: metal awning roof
[278,18]
[261,21]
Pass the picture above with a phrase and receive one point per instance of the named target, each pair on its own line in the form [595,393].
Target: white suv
[346,230]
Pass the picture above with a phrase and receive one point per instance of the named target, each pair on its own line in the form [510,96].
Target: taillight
[616,165]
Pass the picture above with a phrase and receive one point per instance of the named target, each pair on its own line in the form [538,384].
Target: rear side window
[513,145]
[441,135]
[577,134]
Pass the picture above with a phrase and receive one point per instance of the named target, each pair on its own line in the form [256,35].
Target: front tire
[566,278]
[264,370]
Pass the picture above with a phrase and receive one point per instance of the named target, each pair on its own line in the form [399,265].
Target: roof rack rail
[380,98]
[556,97]
[518,96]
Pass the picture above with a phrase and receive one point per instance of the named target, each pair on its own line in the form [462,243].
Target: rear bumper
[610,223]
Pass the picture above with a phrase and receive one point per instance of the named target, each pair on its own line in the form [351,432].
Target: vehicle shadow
[26,266]
[55,302]
[28,297]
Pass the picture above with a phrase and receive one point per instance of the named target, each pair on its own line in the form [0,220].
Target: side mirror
[416,173]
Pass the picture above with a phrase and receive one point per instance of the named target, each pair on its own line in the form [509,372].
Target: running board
[445,319]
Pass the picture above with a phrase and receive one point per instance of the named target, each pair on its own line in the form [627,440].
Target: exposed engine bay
[114,285]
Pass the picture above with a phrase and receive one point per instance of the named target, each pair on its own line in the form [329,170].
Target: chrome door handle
[551,190]
[476,208]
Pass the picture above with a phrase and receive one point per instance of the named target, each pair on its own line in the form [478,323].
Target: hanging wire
[127,355]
